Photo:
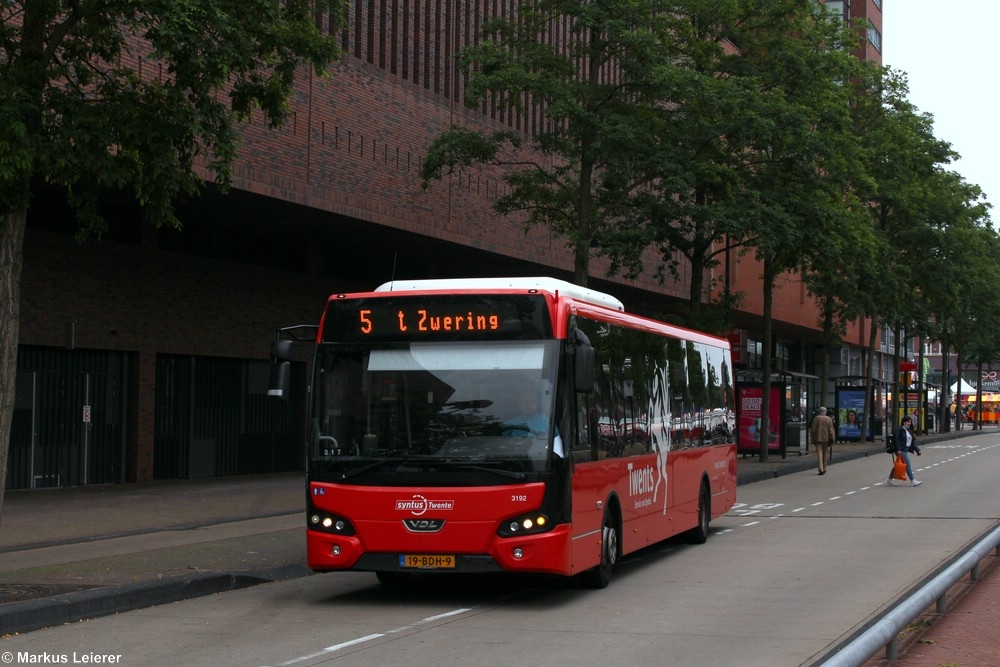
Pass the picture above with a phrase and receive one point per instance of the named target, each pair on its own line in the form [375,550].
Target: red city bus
[466,426]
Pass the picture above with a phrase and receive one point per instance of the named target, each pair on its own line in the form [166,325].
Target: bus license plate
[427,561]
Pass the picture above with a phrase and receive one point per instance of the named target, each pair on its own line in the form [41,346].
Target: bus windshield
[433,412]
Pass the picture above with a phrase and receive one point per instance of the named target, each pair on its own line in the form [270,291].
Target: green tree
[696,201]
[831,276]
[80,114]
[956,273]
[723,104]
[803,157]
[912,200]
[597,86]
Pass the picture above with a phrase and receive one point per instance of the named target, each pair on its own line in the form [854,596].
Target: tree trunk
[959,415]
[977,425]
[11,259]
[867,416]
[824,376]
[765,407]
[921,387]
[944,394]
[585,224]
[697,286]
[581,264]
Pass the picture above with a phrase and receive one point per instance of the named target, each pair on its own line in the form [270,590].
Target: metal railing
[884,631]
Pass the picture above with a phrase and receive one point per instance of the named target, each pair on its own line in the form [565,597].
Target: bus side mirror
[281,350]
[277,386]
[281,369]
[584,369]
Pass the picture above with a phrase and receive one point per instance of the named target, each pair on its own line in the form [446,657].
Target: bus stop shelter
[849,405]
[787,411]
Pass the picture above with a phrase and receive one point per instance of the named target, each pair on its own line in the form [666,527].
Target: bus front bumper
[548,552]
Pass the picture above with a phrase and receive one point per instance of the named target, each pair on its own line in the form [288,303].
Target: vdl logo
[423,525]
[418,505]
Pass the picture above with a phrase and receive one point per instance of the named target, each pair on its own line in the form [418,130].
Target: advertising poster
[909,404]
[750,402]
[850,407]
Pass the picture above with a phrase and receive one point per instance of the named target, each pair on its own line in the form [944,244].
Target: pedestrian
[913,449]
[903,439]
[823,435]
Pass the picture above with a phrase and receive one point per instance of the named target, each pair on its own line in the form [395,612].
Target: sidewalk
[68,554]
[965,636]
[81,552]
[749,469]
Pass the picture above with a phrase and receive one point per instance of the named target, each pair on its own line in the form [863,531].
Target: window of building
[782,357]
[875,37]
[839,8]
[888,345]
[755,353]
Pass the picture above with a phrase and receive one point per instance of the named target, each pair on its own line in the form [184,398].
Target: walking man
[823,435]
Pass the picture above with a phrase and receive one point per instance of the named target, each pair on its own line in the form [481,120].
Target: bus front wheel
[600,576]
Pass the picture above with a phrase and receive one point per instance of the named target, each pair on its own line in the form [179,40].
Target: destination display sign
[439,317]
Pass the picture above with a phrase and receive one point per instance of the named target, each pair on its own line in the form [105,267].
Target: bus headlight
[527,524]
[330,523]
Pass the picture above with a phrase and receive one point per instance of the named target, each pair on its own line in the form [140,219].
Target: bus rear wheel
[600,576]
[699,534]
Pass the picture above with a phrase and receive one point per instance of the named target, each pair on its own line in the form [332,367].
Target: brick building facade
[155,342]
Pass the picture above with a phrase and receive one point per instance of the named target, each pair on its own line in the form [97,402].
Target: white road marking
[371,637]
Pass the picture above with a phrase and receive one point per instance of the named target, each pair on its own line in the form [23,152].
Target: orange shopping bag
[899,468]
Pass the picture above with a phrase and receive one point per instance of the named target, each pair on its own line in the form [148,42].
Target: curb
[30,615]
[806,462]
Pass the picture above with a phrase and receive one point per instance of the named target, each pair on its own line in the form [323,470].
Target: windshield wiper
[496,471]
[520,476]
[372,466]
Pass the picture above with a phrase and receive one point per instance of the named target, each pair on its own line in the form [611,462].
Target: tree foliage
[138,95]
[801,161]
[696,205]
[130,92]
[697,127]
[597,71]
[916,208]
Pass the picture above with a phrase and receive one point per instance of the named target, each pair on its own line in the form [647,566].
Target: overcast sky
[948,52]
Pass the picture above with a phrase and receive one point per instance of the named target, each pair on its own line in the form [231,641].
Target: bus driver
[530,418]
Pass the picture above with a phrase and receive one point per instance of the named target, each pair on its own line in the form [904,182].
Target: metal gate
[68,425]
[213,418]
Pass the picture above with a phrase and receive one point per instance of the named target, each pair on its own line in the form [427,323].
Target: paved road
[199,532]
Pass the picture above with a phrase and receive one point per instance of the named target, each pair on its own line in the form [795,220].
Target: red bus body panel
[472,516]
[649,503]
[657,499]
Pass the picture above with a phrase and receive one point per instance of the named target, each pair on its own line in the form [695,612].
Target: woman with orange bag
[903,440]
